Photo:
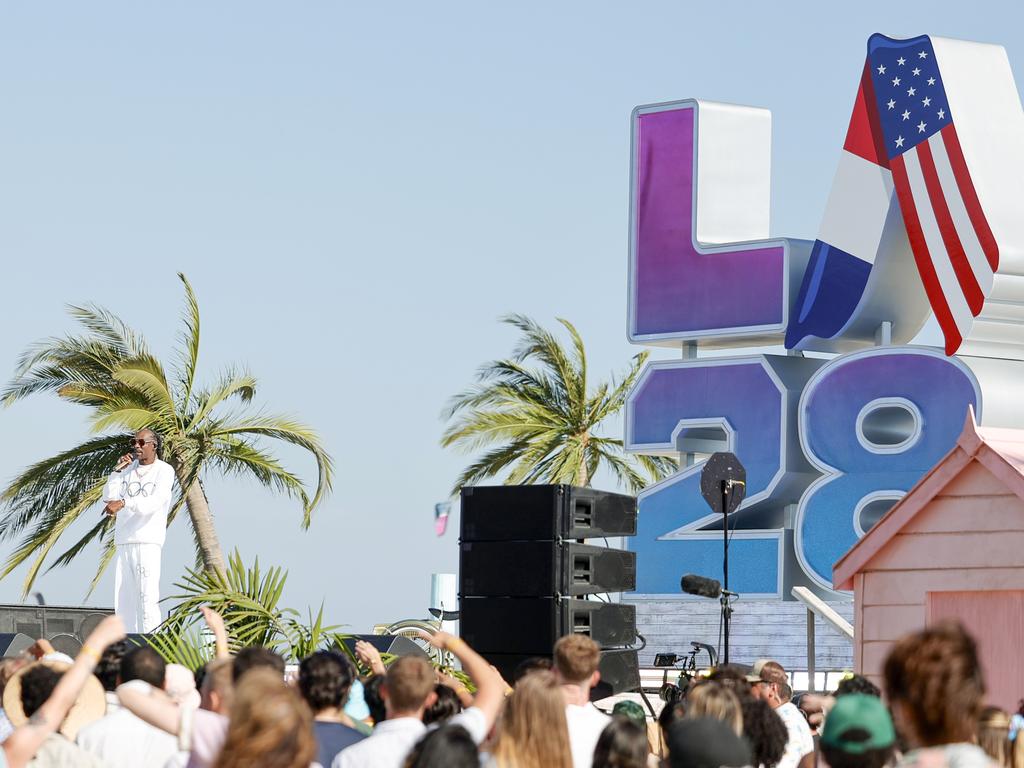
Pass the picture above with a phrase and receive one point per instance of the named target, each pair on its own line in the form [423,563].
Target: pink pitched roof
[1000,451]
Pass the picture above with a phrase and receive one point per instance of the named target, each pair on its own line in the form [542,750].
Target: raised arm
[490,688]
[22,745]
[220,633]
[152,705]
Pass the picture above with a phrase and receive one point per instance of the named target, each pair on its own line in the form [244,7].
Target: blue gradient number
[873,422]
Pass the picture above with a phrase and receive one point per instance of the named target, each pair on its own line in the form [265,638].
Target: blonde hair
[409,681]
[713,700]
[994,735]
[532,732]
[270,725]
[576,658]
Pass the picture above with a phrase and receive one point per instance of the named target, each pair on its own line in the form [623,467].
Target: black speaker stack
[530,573]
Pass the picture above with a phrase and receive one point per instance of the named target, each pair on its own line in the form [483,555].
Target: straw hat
[91,704]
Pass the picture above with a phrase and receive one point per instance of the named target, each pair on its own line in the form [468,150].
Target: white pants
[137,586]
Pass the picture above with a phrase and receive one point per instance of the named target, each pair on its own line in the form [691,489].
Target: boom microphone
[701,586]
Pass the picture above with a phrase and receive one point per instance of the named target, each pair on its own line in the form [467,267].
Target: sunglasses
[138,442]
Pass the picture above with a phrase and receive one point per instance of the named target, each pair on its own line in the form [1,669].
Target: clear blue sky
[357,193]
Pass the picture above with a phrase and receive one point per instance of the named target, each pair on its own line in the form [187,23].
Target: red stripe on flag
[864,136]
[970,196]
[954,248]
[925,268]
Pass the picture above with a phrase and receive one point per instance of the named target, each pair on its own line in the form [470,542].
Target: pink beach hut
[953,547]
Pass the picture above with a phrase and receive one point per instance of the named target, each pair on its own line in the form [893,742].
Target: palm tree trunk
[202,523]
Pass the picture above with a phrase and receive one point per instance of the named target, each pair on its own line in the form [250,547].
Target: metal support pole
[810,651]
[726,611]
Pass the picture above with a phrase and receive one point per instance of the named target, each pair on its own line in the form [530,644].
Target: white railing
[818,607]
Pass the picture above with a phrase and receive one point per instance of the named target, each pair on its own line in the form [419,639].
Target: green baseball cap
[858,723]
[632,710]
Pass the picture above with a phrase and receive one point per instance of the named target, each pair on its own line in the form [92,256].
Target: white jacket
[147,500]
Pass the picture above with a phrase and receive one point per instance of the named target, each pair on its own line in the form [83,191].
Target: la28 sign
[922,228]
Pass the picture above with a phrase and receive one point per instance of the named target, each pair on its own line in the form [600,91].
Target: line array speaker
[526,575]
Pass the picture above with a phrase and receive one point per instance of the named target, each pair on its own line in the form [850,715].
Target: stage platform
[762,628]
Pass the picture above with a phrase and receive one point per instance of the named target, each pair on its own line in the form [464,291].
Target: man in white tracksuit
[138,495]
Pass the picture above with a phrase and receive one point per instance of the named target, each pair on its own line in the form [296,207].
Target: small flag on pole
[441,511]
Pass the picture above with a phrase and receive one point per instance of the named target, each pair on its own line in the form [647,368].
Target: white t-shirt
[585,725]
[800,741]
[122,740]
[146,492]
[393,740]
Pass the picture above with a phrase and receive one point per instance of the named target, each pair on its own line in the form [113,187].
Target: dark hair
[764,731]
[199,675]
[446,706]
[857,684]
[622,744]
[374,701]
[532,664]
[449,746]
[36,686]
[936,674]
[669,714]
[253,657]
[144,663]
[325,679]
[109,667]
[732,677]
[872,758]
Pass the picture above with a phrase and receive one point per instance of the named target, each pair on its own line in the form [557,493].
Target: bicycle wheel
[411,628]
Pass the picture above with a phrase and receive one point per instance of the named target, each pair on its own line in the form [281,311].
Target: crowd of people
[120,705]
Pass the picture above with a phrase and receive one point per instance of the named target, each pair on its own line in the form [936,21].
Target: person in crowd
[38,682]
[764,731]
[532,664]
[934,686]
[994,736]
[770,683]
[215,690]
[374,701]
[270,724]
[201,732]
[109,672]
[121,739]
[533,732]
[858,733]
[27,739]
[408,690]
[325,679]
[8,667]
[575,666]
[622,744]
[711,699]
[449,746]
[854,683]
[446,705]
[705,743]
[180,686]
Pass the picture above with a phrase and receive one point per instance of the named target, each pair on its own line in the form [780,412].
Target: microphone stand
[724,597]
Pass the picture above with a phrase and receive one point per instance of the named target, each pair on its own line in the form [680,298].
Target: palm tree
[543,420]
[110,370]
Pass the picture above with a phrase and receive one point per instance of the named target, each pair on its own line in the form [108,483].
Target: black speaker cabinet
[531,625]
[544,512]
[542,568]
[50,620]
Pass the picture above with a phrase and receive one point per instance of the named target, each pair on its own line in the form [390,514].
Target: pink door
[996,620]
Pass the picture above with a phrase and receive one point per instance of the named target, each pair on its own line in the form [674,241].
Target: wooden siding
[761,629]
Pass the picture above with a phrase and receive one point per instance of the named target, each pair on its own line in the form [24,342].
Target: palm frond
[188,341]
[289,431]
